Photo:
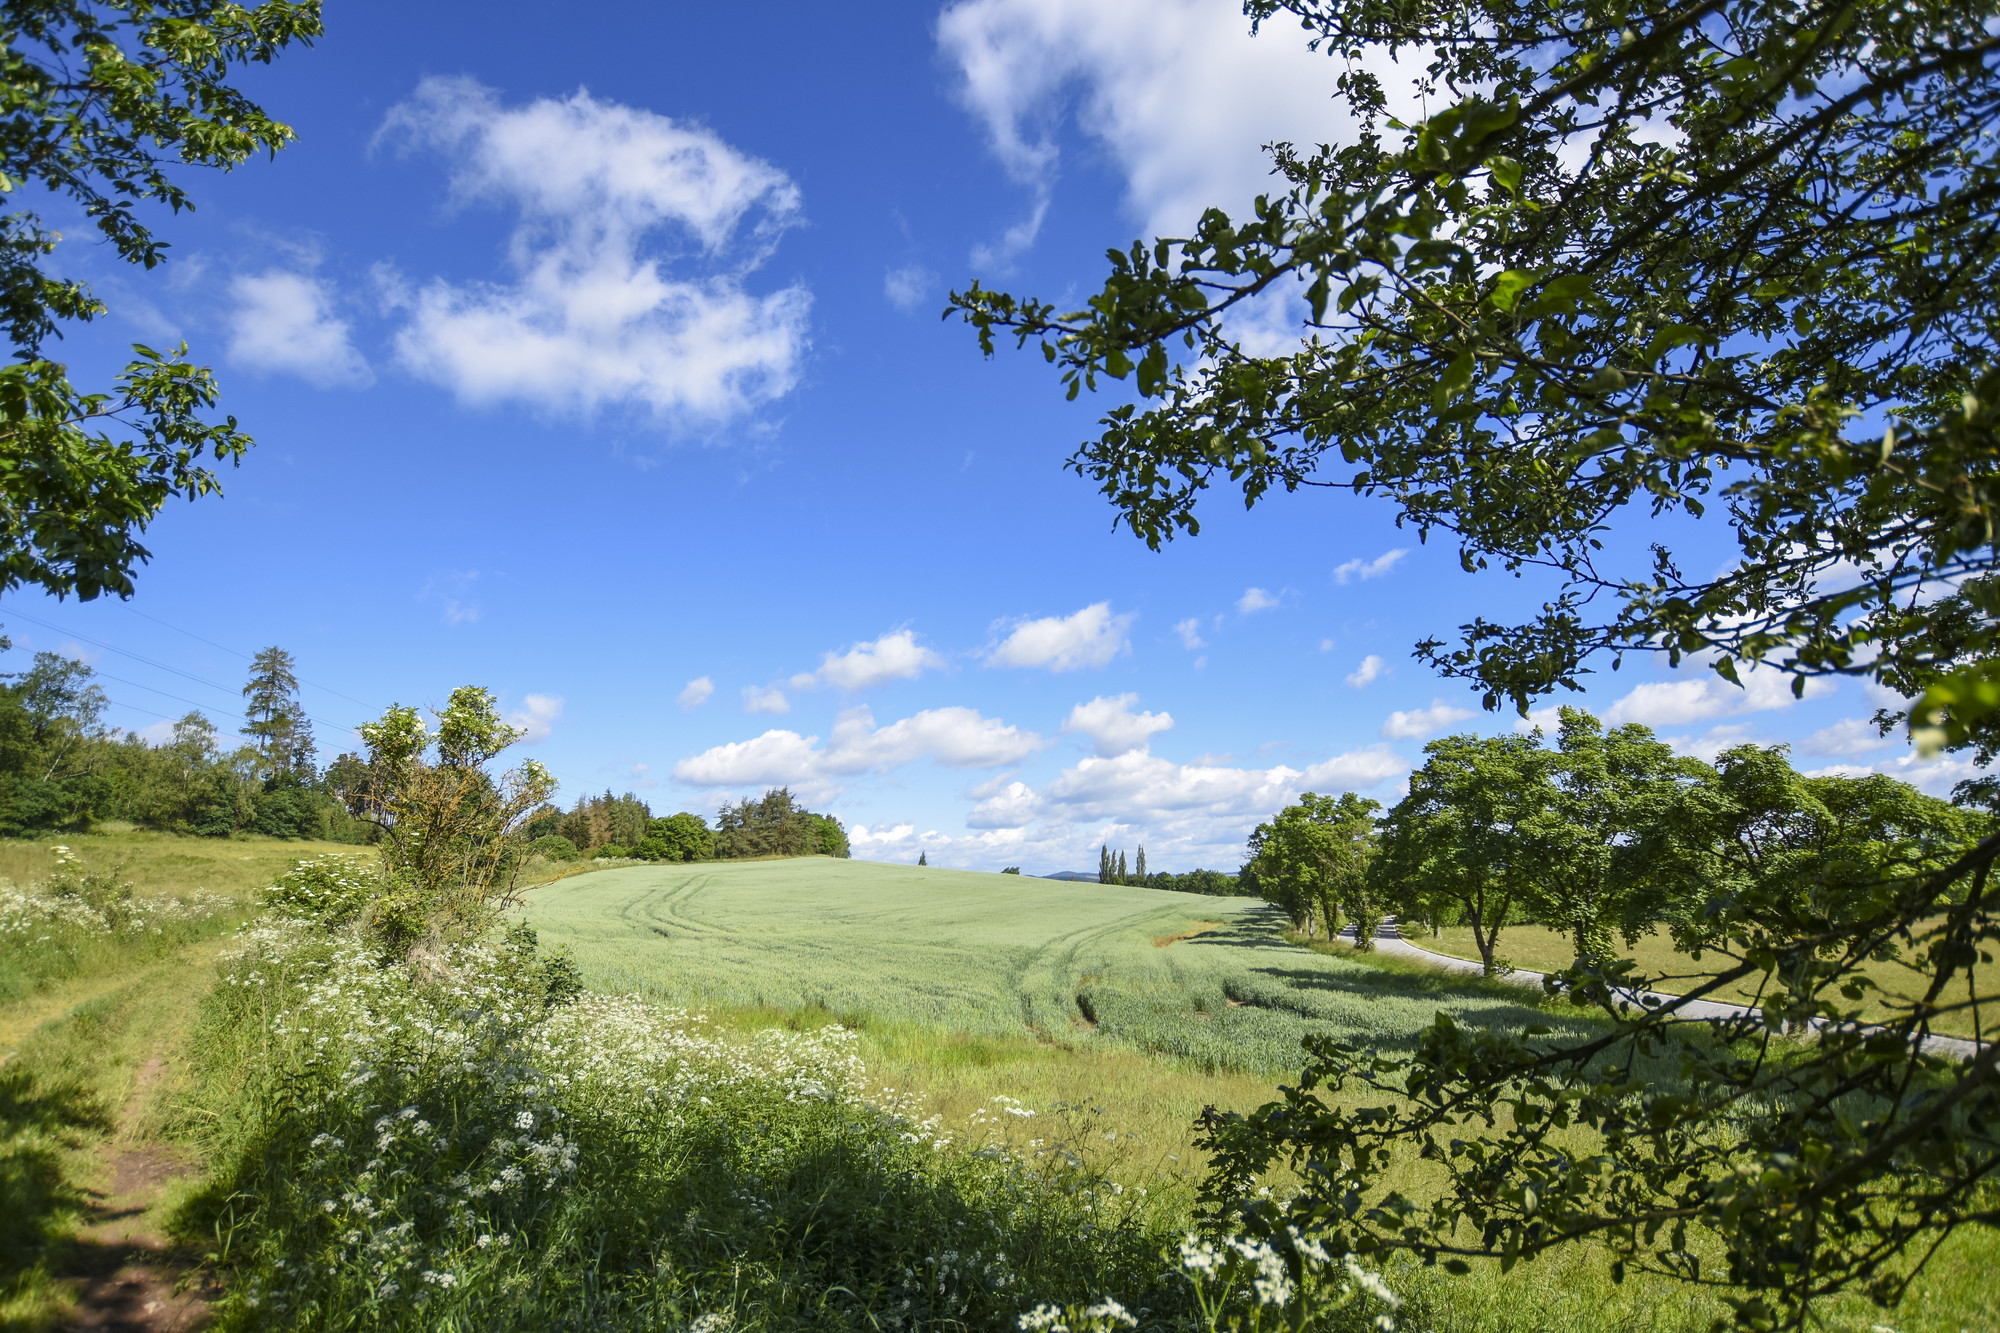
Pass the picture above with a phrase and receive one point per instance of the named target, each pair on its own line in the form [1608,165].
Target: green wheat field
[1210,981]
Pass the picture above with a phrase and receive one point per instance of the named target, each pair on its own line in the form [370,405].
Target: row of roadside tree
[1605,833]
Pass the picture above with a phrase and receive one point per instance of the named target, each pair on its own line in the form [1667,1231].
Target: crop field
[1209,981]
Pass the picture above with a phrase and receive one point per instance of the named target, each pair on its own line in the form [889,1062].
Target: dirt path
[118,1263]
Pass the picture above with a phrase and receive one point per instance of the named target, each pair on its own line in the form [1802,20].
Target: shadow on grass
[40,1124]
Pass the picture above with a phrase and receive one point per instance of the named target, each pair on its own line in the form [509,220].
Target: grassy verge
[1539,949]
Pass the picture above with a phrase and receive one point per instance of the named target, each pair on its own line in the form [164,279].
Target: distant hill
[1089,876]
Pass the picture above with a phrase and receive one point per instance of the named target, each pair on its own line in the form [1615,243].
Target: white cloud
[284,321]
[776,758]
[1255,599]
[1422,723]
[1710,745]
[696,694]
[1840,771]
[1848,736]
[1369,569]
[1190,632]
[1178,92]
[906,287]
[892,657]
[1138,787]
[1548,719]
[595,316]
[1014,806]
[1112,725]
[765,699]
[1935,776]
[863,838]
[1370,669]
[536,717]
[1696,698]
[1090,638]
[951,737]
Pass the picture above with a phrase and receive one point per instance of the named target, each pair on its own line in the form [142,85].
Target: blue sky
[600,363]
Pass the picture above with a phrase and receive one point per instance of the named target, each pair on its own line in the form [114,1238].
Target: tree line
[1112,868]
[608,826]
[1604,835]
[63,770]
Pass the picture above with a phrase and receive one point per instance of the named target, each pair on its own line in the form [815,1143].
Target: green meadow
[1210,982]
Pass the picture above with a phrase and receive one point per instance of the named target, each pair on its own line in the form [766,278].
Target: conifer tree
[1118,871]
[1104,865]
[1139,865]
[923,859]
[273,715]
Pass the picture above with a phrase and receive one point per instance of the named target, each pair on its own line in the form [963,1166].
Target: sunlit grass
[1539,949]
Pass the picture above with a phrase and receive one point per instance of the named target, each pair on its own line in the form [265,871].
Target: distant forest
[1112,868]
[63,770]
[774,824]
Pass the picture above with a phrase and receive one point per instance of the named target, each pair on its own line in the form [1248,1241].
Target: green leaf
[1507,288]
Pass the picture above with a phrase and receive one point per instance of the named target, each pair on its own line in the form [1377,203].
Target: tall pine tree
[1104,865]
[1139,866]
[274,717]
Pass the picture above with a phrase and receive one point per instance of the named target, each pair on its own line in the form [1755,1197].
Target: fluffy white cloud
[953,737]
[765,699]
[1848,736]
[1369,569]
[591,319]
[862,837]
[284,321]
[696,694]
[1137,787]
[1708,746]
[1013,806]
[1422,723]
[906,287]
[776,758]
[1112,725]
[1697,698]
[1090,638]
[1255,599]
[1190,632]
[892,657]
[950,737]
[536,717]
[1177,91]
[1548,719]
[1369,670]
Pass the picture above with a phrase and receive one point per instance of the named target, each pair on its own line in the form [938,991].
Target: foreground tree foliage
[1645,261]
[102,98]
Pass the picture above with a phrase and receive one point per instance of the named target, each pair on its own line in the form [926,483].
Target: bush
[656,849]
[554,847]
[327,891]
[610,851]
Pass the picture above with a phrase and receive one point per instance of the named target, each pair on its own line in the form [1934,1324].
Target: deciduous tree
[103,99]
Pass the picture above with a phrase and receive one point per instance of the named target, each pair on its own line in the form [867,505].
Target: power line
[199,680]
[162,666]
[235,652]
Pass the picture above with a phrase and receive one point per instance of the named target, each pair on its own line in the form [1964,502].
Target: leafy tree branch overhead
[102,102]
[1733,258]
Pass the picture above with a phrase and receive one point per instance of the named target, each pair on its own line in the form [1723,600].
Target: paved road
[1390,941]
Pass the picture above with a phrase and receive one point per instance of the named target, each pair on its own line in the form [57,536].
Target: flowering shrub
[440,1141]
[331,890]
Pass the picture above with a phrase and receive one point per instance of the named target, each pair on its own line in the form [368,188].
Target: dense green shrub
[610,851]
[555,847]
